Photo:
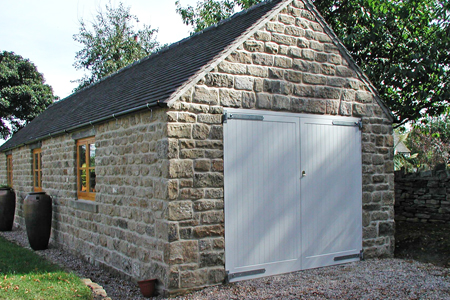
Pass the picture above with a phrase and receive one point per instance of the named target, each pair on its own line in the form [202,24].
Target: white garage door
[292,192]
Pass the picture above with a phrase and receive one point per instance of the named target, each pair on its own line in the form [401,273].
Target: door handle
[303,173]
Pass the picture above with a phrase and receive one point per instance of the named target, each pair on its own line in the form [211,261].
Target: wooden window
[37,170]
[9,170]
[86,168]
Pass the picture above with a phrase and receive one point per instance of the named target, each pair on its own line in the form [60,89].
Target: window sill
[84,205]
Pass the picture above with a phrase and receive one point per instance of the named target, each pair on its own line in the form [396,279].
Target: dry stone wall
[422,197]
[288,65]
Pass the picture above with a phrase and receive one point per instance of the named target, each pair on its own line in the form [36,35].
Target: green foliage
[402,46]
[25,275]
[210,12]
[23,93]
[430,139]
[111,43]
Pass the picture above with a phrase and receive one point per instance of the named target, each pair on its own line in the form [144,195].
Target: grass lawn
[25,275]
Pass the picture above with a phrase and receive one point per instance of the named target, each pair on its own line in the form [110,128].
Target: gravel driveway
[369,279]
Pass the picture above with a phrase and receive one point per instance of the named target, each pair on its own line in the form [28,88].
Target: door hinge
[228,116]
[247,273]
[344,123]
[359,255]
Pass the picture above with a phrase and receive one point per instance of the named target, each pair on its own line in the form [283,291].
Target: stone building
[151,170]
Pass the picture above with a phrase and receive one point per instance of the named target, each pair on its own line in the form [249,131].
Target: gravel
[369,279]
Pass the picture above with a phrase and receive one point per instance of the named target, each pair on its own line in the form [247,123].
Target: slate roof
[151,80]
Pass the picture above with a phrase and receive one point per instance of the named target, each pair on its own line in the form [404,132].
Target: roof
[161,77]
[147,82]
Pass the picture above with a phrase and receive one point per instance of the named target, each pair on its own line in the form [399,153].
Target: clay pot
[147,287]
[7,208]
[37,209]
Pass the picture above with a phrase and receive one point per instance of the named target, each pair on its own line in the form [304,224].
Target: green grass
[25,275]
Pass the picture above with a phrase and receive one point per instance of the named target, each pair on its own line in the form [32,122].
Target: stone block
[262,59]
[345,72]
[332,107]
[345,109]
[230,98]
[308,54]
[254,46]
[321,57]
[286,19]
[282,62]
[210,118]
[335,59]
[257,71]
[318,47]
[275,27]
[298,104]
[232,68]
[193,279]
[316,106]
[208,231]
[244,83]
[219,80]
[284,39]
[216,275]
[281,103]
[202,165]
[179,130]
[248,100]
[180,210]
[271,48]
[304,90]
[262,36]
[208,180]
[191,193]
[205,95]
[264,101]
[294,31]
[240,57]
[314,79]
[204,205]
[212,259]
[294,76]
[303,43]
[364,97]
[180,168]
[200,131]
[328,93]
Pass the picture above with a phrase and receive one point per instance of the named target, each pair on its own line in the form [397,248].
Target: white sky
[42,30]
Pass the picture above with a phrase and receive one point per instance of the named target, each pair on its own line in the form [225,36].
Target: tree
[430,139]
[23,93]
[402,46]
[209,12]
[111,43]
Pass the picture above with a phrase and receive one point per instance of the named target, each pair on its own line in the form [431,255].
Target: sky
[42,31]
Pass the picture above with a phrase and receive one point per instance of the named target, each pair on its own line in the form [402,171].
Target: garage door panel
[261,184]
[331,192]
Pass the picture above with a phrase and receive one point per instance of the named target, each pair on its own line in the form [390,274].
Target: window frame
[37,186]
[85,195]
[9,170]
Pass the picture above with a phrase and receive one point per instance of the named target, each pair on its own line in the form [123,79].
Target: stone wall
[422,197]
[289,65]
[3,178]
[22,179]
[125,228]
